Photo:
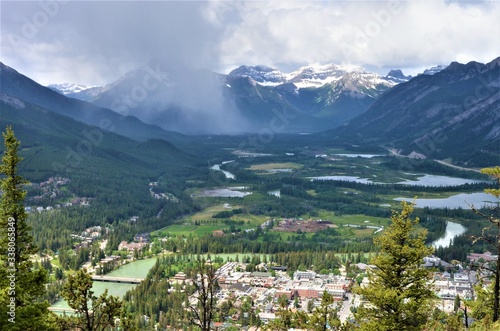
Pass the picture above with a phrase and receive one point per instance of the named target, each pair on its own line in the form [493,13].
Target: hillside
[14,84]
[245,100]
[53,144]
[453,114]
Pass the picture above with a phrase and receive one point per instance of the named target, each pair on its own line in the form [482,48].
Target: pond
[227,192]
[433,180]
[364,156]
[462,200]
[241,153]
[424,180]
[276,193]
[344,178]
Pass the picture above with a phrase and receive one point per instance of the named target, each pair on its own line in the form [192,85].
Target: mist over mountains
[245,100]
[448,113]
[20,87]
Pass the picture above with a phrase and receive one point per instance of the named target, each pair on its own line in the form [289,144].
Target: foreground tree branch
[398,296]
[491,235]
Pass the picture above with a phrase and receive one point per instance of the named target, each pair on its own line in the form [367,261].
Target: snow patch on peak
[397,76]
[434,70]
[263,75]
[319,75]
[352,77]
[69,88]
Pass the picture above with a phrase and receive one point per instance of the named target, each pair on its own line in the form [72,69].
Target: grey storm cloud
[108,38]
[98,41]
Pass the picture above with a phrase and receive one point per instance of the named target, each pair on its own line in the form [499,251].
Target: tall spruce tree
[491,235]
[94,313]
[21,286]
[399,296]
[325,317]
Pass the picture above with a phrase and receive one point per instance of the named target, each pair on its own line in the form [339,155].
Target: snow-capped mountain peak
[434,70]
[263,75]
[397,76]
[319,75]
[310,76]
[69,88]
[77,91]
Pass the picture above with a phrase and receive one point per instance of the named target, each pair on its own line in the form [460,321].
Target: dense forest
[185,225]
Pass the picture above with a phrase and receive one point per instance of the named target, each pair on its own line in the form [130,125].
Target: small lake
[432,180]
[228,175]
[364,156]
[424,180]
[276,193]
[462,200]
[344,178]
[136,269]
[452,230]
[227,192]
[241,153]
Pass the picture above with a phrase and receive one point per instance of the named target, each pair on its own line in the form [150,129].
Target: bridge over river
[111,279]
[62,310]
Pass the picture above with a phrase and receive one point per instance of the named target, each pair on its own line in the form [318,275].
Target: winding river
[228,175]
[452,230]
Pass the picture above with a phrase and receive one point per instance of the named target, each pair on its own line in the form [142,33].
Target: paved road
[345,311]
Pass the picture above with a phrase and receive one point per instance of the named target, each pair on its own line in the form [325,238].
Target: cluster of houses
[481,257]
[88,236]
[50,188]
[266,287]
[161,195]
[74,202]
[132,246]
[141,240]
[105,265]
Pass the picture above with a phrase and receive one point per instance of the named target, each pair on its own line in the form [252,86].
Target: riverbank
[135,269]
[452,230]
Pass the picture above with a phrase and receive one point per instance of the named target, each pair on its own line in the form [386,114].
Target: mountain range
[16,85]
[451,113]
[245,100]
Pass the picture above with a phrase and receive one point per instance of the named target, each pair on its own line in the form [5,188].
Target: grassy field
[357,233]
[312,192]
[187,229]
[203,223]
[207,213]
[357,219]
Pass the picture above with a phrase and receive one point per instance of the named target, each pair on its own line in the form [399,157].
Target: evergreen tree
[399,295]
[491,234]
[325,317]
[94,313]
[21,286]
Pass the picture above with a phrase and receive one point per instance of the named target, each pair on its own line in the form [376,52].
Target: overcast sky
[97,42]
